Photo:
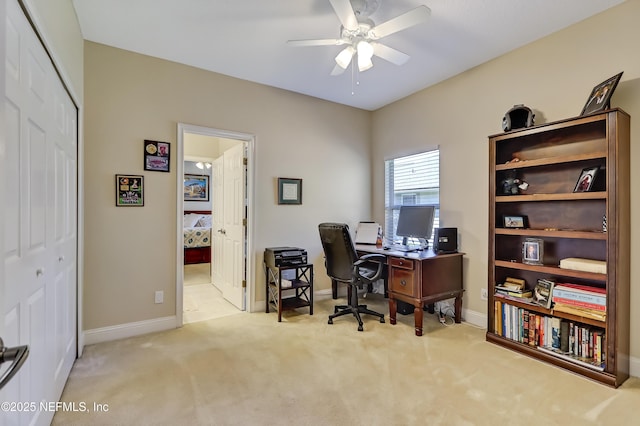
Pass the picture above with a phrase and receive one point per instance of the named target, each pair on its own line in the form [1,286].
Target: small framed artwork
[600,96]
[289,191]
[129,191]
[515,221]
[586,179]
[532,251]
[157,156]
[196,188]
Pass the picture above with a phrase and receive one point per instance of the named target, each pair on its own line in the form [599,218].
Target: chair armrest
[373,257]
[368,258]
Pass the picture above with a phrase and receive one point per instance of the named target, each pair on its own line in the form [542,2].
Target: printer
[275,257]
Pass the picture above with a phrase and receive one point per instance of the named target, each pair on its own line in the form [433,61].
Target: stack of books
[581,300]
[513,287]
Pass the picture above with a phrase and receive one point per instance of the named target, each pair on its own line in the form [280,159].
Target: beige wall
[554,76]
[131,252]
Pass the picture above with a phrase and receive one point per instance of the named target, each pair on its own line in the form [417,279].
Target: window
[411,180]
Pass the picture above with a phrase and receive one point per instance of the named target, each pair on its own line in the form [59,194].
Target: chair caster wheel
[382,320]
[360,328]
[330,321]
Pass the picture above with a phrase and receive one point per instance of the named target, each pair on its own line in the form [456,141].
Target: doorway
[222,283]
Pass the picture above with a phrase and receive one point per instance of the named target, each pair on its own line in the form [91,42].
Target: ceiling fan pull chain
[353,72]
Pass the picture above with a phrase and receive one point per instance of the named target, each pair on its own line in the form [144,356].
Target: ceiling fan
[360,35]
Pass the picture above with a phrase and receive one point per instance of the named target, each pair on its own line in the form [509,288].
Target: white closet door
[39,302]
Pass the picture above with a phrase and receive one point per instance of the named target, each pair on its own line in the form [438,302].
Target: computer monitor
[415,222]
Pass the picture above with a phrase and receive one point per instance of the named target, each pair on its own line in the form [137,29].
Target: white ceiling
[247,39]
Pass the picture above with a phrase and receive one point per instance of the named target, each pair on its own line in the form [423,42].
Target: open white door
[217,223]
[233,230]
[231,237]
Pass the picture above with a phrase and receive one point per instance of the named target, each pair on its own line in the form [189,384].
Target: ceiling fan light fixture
[344,57]
[365,53]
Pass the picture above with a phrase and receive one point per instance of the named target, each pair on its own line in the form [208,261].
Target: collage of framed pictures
[130,188]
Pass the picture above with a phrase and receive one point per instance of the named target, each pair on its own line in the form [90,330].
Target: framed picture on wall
[129,190]
[196,187]
[289,191]
[157,156]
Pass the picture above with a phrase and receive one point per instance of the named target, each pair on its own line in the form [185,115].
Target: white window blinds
[411,180]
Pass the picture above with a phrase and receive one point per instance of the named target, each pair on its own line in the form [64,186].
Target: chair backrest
[339,251]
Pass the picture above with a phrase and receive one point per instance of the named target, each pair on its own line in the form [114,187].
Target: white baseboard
[475,318]
[634,366]
[122,331]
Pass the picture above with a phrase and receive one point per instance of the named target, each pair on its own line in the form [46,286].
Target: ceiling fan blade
[318,42]
[414,17]
[389,54]
[345,13]
[337,70]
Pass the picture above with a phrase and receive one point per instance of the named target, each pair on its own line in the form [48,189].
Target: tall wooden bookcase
[550,158]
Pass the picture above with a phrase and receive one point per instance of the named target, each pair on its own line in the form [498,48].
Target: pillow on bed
[205,221]
[191,219]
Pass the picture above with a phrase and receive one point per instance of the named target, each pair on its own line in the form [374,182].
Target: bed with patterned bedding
[197,237]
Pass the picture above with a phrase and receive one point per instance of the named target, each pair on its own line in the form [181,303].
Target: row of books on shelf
[575,299]
[571,340]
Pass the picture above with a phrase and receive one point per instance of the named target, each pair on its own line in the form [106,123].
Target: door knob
[17,354]
[39,272]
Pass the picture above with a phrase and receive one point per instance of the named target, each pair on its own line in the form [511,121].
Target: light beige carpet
[248,369]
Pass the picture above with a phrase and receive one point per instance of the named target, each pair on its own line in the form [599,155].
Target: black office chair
[344,265]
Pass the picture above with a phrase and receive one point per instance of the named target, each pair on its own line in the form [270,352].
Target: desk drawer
[402,281]
[398,262]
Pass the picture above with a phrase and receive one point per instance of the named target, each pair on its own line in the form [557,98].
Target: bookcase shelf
[551,160]
[552,270]
[560,233]
[591,224]
[600,195]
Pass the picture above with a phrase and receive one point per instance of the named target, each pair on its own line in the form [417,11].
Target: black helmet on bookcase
[518,117]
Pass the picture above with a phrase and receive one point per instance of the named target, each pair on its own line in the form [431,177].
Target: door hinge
[244,283]
[244,222]
[244,161]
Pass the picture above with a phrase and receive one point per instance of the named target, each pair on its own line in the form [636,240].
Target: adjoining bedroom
[202,296]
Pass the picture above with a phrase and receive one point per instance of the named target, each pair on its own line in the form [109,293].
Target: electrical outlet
[159,297]
[484,295]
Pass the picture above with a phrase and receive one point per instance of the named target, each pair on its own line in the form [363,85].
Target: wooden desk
[421,278]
